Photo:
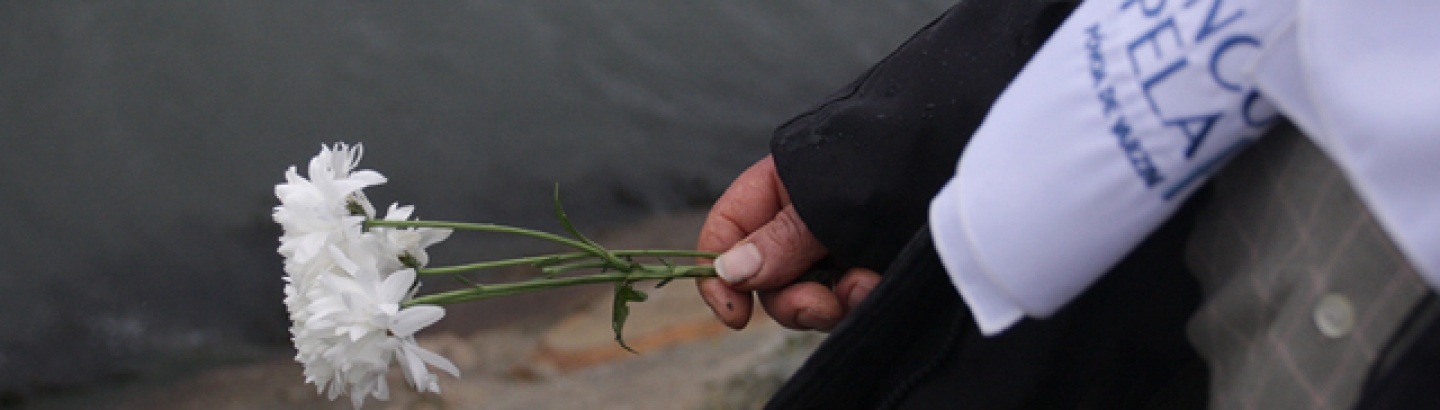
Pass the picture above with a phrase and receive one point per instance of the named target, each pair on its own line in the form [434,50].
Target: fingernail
[809,319]
[738,264]
[857,295]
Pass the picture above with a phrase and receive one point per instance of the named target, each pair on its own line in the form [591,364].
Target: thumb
[773,255]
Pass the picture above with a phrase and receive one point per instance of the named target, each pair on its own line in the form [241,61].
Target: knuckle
[785,234]
[787,247]
[788,233]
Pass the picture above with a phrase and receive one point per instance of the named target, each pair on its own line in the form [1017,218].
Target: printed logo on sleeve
[1181,66]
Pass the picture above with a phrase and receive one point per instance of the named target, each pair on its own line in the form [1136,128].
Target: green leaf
[565,220]
[586,244]
[624,294]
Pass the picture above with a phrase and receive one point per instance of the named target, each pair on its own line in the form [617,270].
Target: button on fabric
[1334,315]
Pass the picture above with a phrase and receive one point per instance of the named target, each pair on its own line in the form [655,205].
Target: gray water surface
[140,141]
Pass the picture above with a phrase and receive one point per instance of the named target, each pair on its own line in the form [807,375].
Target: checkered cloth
[1283,230]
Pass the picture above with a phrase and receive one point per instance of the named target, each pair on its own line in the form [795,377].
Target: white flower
[347,323]
[408,242]
[355,327]
[316,212]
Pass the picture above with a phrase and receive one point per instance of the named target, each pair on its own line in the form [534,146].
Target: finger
[748,204]
[751,201]
[730,306]
[804,305]
[855,286]
[772,256]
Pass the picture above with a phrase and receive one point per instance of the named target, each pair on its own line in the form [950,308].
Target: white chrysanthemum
[354,328]
[408,242]
[347,323]
[317,212]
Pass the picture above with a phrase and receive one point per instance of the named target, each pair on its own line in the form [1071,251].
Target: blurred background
[140,142]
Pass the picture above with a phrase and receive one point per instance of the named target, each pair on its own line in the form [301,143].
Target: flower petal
[345,263]
[399,213]
[382,389]
[394,288]
[414,367]
[414,318]
[433,236]
[435,360]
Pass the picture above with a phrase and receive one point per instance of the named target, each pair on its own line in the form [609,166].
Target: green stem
[558,269]
[484,227]
[647,272]
[534,260]
[551,260]
[667,252]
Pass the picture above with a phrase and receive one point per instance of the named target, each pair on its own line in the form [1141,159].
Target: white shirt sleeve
[1127,108]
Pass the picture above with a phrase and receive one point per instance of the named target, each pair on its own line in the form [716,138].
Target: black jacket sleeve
[862,167]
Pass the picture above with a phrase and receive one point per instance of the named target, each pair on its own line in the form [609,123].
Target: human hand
[767,247]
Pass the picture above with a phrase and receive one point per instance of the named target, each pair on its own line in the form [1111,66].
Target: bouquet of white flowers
[351,277]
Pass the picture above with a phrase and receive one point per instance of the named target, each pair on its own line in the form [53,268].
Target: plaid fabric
[1283,230]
